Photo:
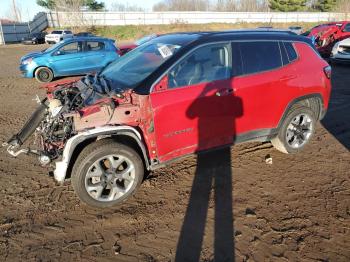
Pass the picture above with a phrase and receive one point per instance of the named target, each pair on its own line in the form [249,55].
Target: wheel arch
[314,101]
[40,66]
[127,135]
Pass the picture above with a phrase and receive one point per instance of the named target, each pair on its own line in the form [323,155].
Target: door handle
[286,78]
[224,92]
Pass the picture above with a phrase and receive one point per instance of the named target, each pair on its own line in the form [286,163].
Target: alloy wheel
[110,177]
[299,130]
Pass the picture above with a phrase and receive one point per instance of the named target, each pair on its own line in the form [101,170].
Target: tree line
[253,5]
[204,5]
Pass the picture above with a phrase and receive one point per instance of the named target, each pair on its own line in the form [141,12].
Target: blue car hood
[31,55]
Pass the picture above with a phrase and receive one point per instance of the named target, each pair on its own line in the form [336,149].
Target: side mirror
[58,53]
[161,85]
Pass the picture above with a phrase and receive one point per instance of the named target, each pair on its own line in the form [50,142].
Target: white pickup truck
[57,36]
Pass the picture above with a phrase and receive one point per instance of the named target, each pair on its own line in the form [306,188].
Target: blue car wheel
[43,75]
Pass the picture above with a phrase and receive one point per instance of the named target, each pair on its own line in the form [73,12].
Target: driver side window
[206,64]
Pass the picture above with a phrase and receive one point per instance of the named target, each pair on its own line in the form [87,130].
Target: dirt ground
[297,209]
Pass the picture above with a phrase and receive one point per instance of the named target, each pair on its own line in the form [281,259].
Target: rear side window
[347,28]
[95,46]
[256,57]
[284,55]
[292,54]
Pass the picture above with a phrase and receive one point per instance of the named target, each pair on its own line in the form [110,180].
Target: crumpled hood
[94,88]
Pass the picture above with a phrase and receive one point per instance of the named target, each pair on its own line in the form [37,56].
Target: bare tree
[207,5]
[182,5]
[253,6]
[15,11]
[343,6]
[120,7]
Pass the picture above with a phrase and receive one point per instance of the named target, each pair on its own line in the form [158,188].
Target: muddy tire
[43,75]
[296,130]
[107,173]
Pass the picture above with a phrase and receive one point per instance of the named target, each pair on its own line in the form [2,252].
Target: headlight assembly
[27,61]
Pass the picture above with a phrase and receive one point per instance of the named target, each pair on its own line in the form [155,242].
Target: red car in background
[123,49]
[326,35]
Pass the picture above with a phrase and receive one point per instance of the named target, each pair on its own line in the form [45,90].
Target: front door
[68,59]
[197,109]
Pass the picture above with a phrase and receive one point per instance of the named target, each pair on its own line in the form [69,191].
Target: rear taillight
[328,71]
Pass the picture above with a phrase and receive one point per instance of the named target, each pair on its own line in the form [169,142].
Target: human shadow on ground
[216,109]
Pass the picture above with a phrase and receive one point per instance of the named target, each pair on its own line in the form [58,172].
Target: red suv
[176,95]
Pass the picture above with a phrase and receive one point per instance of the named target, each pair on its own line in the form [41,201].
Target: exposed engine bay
[58,117]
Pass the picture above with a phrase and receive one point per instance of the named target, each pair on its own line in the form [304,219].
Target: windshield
[53,47]
[129,70]
[56,32]
[145,39]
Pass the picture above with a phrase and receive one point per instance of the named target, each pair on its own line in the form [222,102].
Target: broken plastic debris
[268,159]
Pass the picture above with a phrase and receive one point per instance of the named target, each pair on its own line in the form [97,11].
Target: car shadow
[213,172]
[337,119]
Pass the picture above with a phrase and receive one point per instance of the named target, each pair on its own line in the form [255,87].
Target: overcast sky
[29,7]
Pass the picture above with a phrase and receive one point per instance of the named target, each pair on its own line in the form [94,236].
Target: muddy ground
[297,209]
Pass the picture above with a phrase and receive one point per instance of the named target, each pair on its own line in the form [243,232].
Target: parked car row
[71,56]
[123,49]
[34,38]
[82,54]
[326,36]
[174,95]
[52,38]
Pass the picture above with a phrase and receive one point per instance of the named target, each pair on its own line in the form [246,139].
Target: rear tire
[43,75]
[107,173]
[296,131]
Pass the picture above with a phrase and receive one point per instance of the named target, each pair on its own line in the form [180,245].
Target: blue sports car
[72,56]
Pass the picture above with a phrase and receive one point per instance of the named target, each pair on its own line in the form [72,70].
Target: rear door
[95,55]
[197,109]
[265,80]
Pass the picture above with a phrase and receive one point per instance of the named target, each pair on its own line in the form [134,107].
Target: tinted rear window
[94,46]
[292,54]
[284,55]
[256,57]
[56,32]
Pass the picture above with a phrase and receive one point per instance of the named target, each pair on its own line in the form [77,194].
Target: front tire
[296,131]
[107,173]
[43,75]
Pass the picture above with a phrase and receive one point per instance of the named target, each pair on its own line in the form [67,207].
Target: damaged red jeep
[175,95]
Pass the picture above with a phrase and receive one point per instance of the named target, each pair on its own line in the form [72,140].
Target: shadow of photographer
[216,127]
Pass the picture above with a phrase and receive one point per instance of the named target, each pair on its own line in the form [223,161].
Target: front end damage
[72,113]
